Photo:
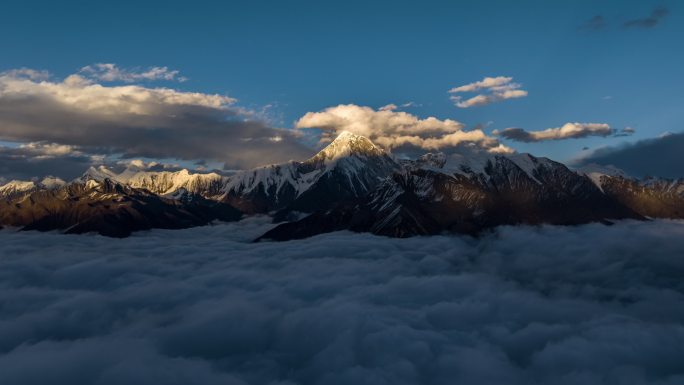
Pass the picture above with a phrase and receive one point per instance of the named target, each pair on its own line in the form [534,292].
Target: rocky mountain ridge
[349,185]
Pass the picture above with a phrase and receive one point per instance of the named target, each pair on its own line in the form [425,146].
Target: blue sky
[304,56]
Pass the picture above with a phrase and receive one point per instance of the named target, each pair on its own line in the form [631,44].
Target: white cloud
[138,121]
[497,89]
[410,104]
[627,131]
[566,131]
[588,304]
[49,149]
[393,107]
[109,72]
[486,83]
[141,164]
[82,94]
[388,107]
[391,129]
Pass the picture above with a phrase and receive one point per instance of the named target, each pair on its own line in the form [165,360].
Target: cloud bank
[550,305]
[137,121]
[396,129]
[567,131]
[661,156]
[495,89]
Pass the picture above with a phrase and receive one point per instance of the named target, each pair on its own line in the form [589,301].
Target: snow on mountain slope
[161,182]
[529,163]
[109,208]
[430,160]
[595,172]
[348,152]
[98,173]
[353,184]
[166,182]
[477,164]
[272,179]
[16,187]
[346,145]
[349,166]
[665,186]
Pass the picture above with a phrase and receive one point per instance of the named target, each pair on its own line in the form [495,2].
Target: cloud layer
[591,305]
[395,129]
[655,157]
[495,89]
[567,131]
[138,121]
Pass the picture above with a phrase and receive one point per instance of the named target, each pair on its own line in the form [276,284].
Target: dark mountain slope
[108,208]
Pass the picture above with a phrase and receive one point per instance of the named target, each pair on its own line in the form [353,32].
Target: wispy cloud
[495,89]
[410,104]
[388,107]
[650,21]
[26,73]
[109,72]
[596,23]
[599,22]
[627,131]
[392,106]
[567,131]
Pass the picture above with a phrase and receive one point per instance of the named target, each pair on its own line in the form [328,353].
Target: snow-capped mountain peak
[159,182]
[350,184]
[16,186]
[349,166]
[98,173]
[345,145]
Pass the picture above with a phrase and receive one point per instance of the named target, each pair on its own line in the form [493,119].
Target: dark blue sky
[308,55]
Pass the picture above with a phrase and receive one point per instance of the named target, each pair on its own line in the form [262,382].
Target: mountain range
[351,184]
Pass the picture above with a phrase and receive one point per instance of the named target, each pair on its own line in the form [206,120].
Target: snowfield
[590,304]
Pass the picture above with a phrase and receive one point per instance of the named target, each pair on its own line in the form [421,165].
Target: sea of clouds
[590,304]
